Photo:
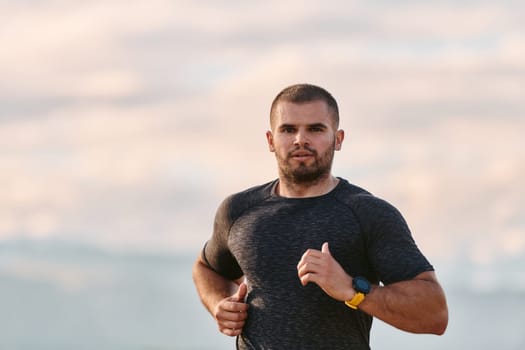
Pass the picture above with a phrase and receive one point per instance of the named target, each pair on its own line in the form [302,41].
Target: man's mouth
[301,155]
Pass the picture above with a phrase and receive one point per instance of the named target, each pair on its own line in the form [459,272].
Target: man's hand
[321,268]
[231,312]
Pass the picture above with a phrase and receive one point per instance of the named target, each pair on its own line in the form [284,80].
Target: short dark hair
[301,93]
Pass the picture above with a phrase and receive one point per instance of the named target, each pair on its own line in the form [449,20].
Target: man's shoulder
[255,193]
[349,193]
[369,208]
[237,203]
[355,196]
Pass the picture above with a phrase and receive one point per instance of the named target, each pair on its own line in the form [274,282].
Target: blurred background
[123,124]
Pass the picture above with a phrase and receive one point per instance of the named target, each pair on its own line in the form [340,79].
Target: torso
[263,236]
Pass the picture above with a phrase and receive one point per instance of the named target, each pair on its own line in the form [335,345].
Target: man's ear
[339,137]
[269,138]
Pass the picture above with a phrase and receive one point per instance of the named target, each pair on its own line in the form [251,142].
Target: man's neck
[289,189]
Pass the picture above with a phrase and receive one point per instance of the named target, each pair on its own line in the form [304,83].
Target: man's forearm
[211,286]
[417,305]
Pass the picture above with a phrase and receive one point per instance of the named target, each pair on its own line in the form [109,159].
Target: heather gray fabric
[263,236]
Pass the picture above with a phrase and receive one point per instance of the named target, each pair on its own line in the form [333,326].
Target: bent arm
[223,298]
[418,305]
[211,286]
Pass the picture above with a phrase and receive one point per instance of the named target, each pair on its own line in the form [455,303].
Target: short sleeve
[216,252]
[391,249]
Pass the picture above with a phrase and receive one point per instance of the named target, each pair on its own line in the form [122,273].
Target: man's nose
[301,139]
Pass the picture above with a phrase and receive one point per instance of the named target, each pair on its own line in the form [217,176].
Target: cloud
[125,124]
[458,184]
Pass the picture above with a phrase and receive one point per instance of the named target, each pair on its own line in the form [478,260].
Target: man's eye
[288,130]
[316,129]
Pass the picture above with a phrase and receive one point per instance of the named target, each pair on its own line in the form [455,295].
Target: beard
[304,173]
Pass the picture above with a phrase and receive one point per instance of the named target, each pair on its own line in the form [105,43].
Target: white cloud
[115,113]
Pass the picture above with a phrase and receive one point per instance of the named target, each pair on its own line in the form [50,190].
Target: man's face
[304,138]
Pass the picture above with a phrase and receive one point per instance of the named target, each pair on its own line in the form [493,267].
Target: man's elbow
[199,269]
[440,322]
[439,316]
[434,320]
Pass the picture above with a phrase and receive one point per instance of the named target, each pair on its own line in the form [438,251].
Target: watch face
[361,285]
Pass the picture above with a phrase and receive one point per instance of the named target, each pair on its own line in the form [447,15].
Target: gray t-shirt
[262,237]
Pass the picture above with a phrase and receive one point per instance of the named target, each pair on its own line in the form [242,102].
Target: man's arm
[223,298]
[417,305]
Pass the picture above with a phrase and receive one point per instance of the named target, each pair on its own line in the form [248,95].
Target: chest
[269,240]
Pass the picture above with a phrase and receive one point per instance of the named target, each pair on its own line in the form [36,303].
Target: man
[306,261]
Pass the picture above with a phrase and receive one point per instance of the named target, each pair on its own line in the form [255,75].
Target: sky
[123,124]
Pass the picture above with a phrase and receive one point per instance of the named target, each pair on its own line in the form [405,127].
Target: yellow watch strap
[355,301]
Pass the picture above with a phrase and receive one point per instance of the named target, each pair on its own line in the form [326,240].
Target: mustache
[302,149]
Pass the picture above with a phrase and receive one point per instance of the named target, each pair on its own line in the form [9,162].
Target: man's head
[304,133]
[302,93]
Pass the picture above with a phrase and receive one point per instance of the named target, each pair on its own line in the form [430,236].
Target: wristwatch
[362,288]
